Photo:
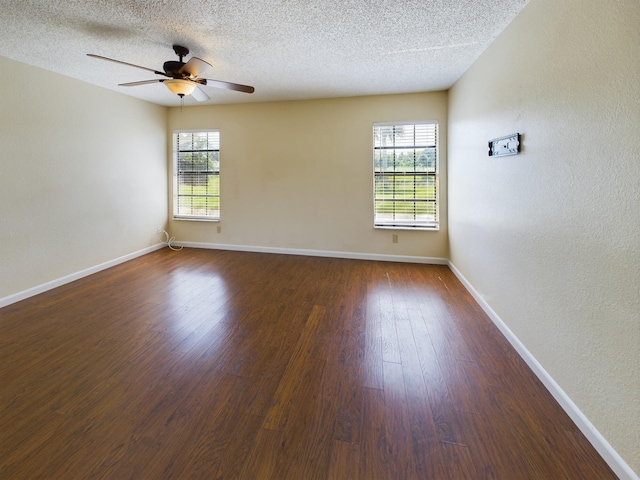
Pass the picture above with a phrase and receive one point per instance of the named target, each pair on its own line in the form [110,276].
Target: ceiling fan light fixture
[180,87]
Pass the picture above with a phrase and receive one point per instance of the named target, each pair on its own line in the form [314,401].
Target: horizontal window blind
[405,165]
[197,175]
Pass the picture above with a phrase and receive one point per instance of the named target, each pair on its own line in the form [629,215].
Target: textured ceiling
[286,49]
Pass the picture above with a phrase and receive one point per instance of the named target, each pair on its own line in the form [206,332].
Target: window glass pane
[426,160]
[378,161]
[425,187]
[213,185]
[383,188]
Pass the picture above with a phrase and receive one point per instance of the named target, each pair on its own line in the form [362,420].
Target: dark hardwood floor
[215,364]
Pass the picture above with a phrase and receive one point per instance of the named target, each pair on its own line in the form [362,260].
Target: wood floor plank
[424,432]
[373,377]
[374,449]
[265,456]
[309,432]
[345,461]
[289,386]
[347,375]
[437,394]
[216,443]
[206,364]
[390,347]
[397,424]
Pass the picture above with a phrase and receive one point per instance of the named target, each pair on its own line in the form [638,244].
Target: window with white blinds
[196,189]
[405,169]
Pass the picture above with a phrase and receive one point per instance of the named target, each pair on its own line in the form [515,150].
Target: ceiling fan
[182,78]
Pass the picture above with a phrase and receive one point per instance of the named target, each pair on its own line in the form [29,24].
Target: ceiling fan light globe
[180,87]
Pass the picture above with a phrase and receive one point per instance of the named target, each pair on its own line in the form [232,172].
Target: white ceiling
[286,49]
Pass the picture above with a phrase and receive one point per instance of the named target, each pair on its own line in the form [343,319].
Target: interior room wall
[83,180]
[298,175]
[550,238]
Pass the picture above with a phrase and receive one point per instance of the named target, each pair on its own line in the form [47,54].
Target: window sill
[434,228]
[196,219]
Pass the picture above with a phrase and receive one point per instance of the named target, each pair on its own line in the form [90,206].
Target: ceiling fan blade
[142,82]
[199,95]
[228,85]
[194,67]
[125,63]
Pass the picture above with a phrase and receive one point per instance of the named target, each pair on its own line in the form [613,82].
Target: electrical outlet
[159,230]
[394,238]
[219,229]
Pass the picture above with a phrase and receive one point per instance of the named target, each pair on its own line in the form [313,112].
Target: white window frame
[421,210]
[180,210]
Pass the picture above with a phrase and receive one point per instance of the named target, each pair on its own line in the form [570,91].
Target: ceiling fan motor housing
[172,68]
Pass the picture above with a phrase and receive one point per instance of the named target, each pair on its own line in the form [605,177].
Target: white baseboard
[613,459]
[317,253]
[16,297]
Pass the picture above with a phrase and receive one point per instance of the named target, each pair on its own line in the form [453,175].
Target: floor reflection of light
[195,297]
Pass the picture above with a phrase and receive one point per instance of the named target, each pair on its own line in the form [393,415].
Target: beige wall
[298,175]
[551,238]
[83,176]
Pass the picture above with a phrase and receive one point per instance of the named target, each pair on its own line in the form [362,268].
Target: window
[196,188]
[405,169]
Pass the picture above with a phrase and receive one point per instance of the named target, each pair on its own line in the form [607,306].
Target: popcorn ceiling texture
[298,49]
